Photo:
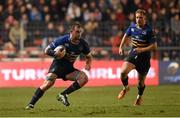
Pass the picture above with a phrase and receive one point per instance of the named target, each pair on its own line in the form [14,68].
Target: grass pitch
[93,102]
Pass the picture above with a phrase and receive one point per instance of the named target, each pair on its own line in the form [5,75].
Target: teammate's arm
[122,43]
[88,61]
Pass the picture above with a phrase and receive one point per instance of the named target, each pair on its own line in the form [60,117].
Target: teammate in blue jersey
[62,67]
[143,42]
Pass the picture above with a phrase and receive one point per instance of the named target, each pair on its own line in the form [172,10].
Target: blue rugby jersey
[141,37]
[72,50]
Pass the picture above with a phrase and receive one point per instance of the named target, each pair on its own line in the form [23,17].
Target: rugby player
[143,42]
[62,67]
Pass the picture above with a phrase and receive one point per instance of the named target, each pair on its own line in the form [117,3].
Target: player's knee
[85,78]
[46,85]
[82,79]
[50,80]
[51,77]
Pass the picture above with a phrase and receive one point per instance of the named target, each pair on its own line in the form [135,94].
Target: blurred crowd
[27,26]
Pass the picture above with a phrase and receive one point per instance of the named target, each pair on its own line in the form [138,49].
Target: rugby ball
[61,49]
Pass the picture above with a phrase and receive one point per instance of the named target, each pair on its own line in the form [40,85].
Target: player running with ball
[62,65]
[143,41]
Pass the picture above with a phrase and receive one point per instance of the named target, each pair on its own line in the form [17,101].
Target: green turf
[90,102]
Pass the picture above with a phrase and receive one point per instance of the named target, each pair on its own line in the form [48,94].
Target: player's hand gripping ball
[60,51]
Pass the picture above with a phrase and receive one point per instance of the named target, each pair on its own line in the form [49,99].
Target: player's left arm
[88,55]
[88,61]
[151,47]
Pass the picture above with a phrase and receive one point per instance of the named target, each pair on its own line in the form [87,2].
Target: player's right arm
[122,43]
[126,35]
[50,48]
[49,51]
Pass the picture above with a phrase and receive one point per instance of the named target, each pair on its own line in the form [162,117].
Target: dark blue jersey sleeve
[59,41]
[86,49]
[152,37]
[128,31]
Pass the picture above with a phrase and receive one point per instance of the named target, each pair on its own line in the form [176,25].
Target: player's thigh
[72,75]
[76,75]
[127,67]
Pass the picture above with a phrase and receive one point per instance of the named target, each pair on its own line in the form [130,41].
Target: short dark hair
[76,24]
[141,11]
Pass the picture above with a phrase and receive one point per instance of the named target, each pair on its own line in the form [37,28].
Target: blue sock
[75,86]
[125,81]
[38,94]
[141,89]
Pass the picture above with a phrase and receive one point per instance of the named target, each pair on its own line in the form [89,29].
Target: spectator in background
[120,16]
[47,18]
[85,11]
[103,5]
[98,14]
[39,4]
[50,34]
[1,12]
[35,14]
[45,12]
[9,11]
[54,10]
[5,38]
[10,20]
[165,56]
[131,18]
[92,5]
[91,27]
[17,35]
[115,41]
[67,21]
[175,24]
[23,10]
[74,11]
[24,20]
[136,4]
[60,29]
[175,55]
[92,23]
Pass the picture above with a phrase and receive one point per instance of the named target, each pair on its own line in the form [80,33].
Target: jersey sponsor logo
[66,44]
[132,29]
[137,39]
